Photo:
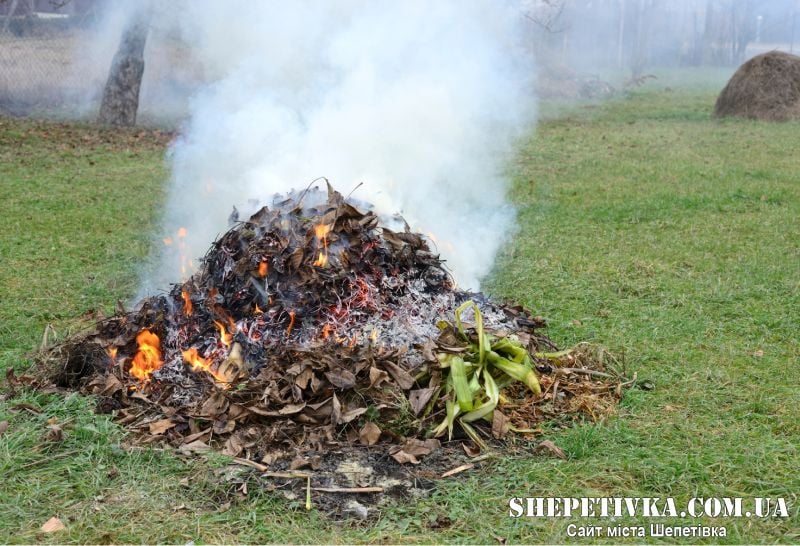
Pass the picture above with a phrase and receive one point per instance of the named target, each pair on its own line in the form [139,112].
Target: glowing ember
[224,336]
[291,323]
[321,233]
[263,269]
[148,358]
[326,331]
[187,303]
[198,363]
[258,311]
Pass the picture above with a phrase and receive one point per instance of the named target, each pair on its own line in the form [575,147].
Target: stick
[349,489]
[305,191]
[286,475]
[251,464]
[583,371]
[458,470]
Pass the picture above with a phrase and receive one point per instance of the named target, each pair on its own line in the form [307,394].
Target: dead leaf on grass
[199,435]
[549,447]
[3,427]
[402,457]
[401,377]
[419,398]
[52,525]
[30,408]
[376,377]
[414,448]
[193,447]
[161,426]
[370,434]
[341,378]
[470,450]
[233,446]
[221,426]
[112,385]
[500,424]
[54,434]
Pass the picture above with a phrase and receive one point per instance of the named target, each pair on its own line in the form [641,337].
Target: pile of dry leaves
[311,326]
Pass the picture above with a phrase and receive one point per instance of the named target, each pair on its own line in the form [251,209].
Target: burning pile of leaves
[312,325]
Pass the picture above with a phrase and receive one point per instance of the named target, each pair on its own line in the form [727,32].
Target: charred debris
[312,326]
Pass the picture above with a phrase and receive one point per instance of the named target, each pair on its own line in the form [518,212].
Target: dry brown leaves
[281,390]
[52,525]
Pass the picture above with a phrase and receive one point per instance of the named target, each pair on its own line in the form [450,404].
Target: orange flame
[187,303]
[224,336]
[291,323]
[167,241]
[374,336]
[148,358]
[199,363]
[326,331]
[263,269]
[182,232]
[258,311]
[321,233]
[112,353]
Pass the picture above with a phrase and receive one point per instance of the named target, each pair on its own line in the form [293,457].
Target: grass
[644,225]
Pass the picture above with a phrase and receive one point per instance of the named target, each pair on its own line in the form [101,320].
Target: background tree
[121,94]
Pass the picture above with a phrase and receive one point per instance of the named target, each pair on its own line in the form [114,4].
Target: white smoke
[421,101]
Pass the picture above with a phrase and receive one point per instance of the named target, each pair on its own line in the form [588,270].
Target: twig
[46,336]
[349,489]
[555,394]
[584,371]
[286,475]
[353,190]
[631,381]
[458,470]
[305,191]
[252,464]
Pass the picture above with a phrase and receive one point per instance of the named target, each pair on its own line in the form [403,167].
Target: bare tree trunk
[12,9]
[121,94]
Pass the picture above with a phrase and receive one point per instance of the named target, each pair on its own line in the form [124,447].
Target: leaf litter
[317,333]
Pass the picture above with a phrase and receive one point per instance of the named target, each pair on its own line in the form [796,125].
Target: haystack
[766,87]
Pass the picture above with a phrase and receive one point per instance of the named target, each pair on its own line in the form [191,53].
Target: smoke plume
[419,101]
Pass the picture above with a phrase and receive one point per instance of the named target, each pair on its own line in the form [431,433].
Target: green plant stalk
[493,392]
[518,371]
[460,383]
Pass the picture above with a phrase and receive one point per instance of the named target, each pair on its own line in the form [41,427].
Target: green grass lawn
[644,225]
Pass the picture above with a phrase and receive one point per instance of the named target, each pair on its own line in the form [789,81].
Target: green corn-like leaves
[461,383]
[477,377]
[493,393]
[518,371]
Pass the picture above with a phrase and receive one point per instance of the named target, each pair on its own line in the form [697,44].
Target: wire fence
[36,63]
[55,65]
